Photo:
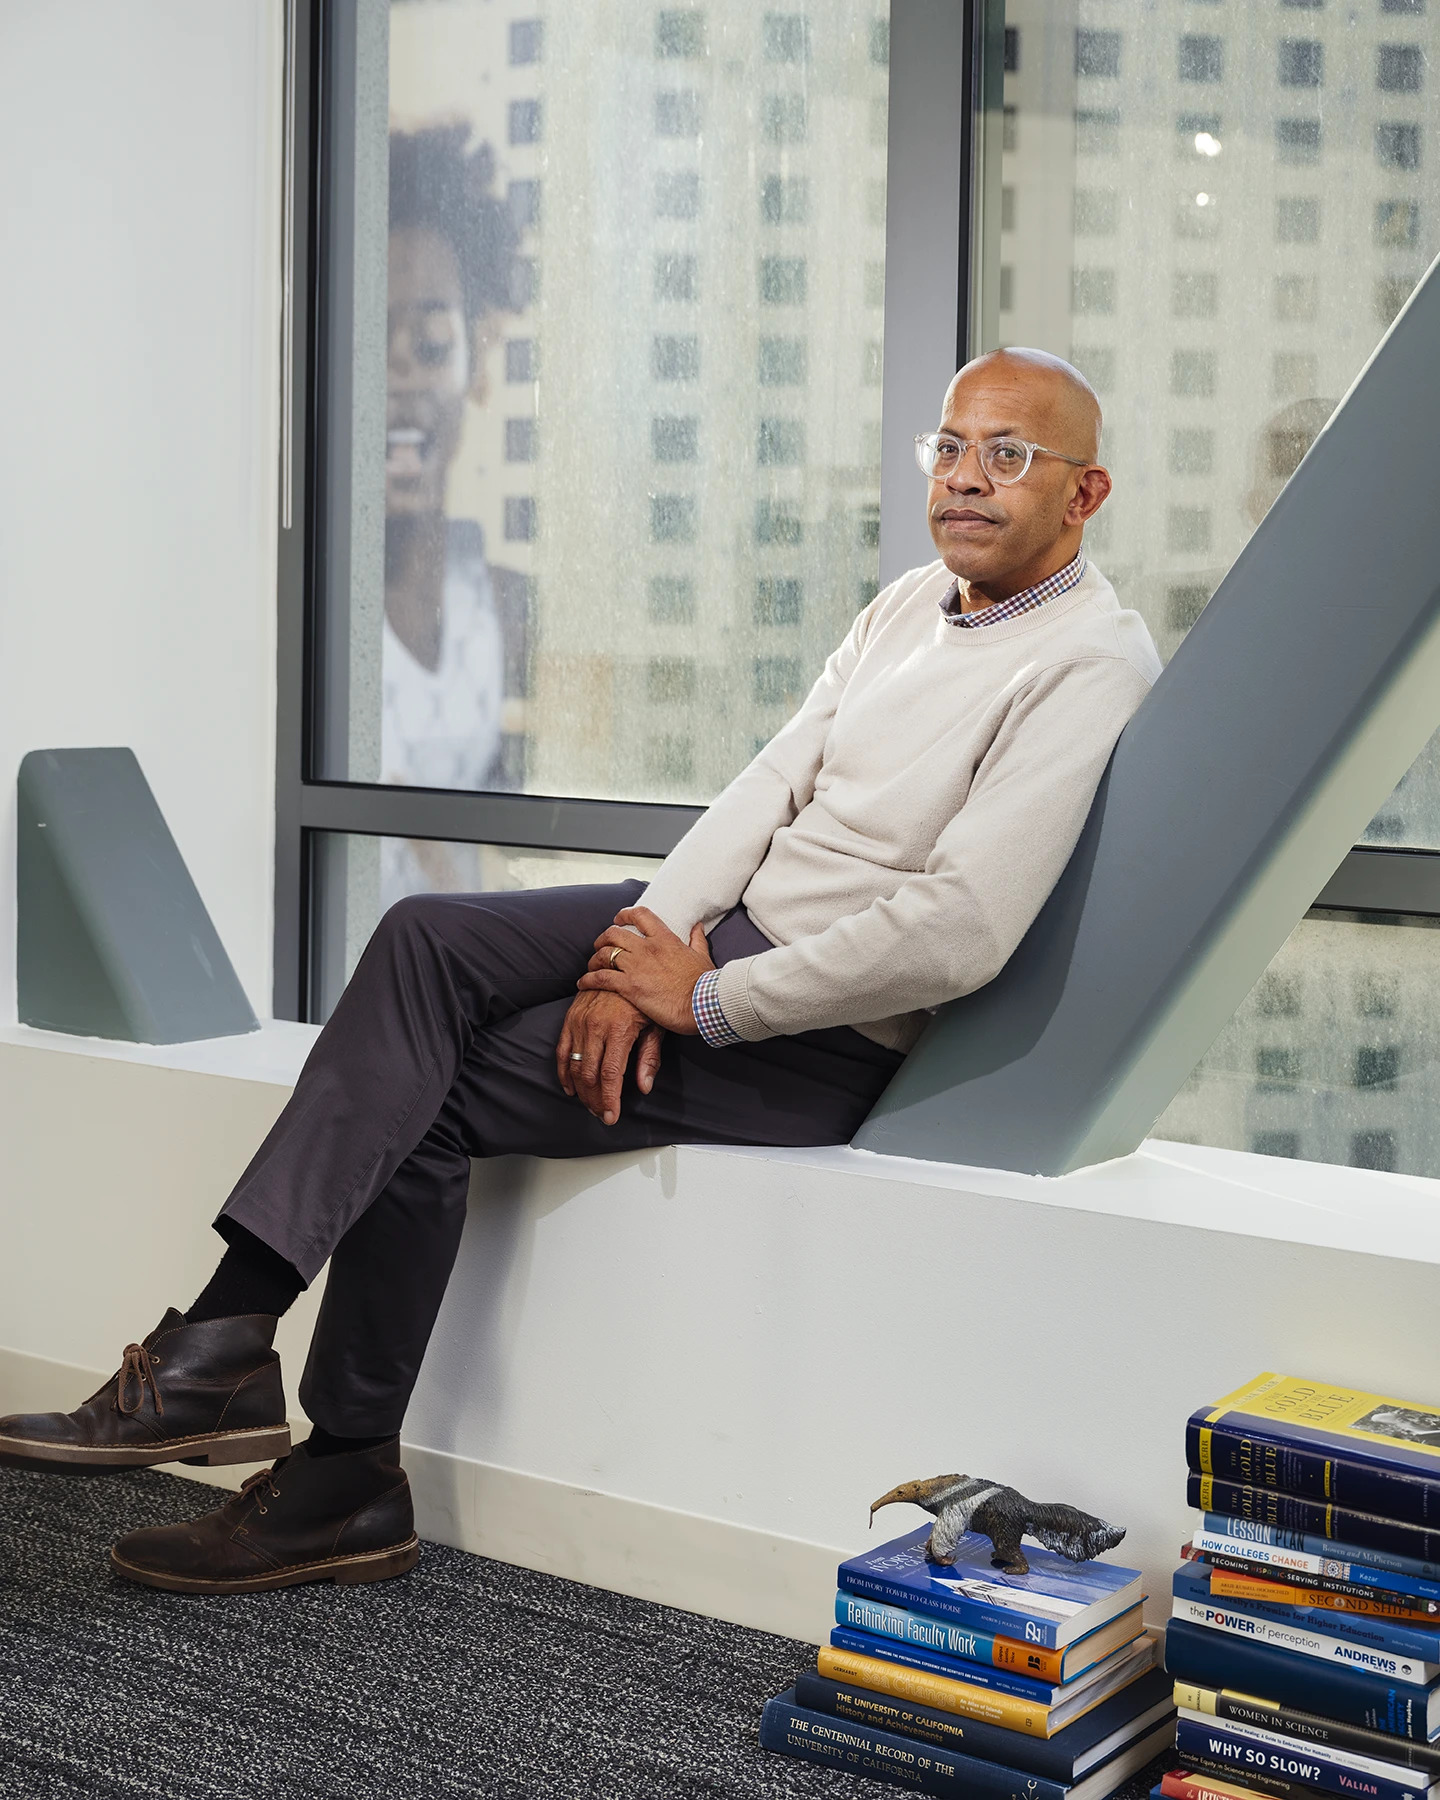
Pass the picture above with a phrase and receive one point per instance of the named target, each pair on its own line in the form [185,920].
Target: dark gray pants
[442,1048]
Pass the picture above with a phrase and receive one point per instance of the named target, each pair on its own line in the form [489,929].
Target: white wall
[686,1373]
[139,238]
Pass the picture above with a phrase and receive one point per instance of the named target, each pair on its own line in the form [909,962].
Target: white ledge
[273,1055]
[1361,1211]
[1358,1211]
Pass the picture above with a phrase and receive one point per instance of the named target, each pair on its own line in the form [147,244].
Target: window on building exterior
[1301,62]
[1252,193]
[1297,140]
[1201,59]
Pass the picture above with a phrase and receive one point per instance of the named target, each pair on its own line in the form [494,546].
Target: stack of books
[966,1680]
[1305,1630]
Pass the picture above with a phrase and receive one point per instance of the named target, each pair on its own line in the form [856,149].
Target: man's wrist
[709,1015]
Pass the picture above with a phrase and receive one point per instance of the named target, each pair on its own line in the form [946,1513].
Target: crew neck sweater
[897,837]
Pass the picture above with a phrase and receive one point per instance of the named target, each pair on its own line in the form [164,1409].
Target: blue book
[1214,1659]
[1289,1512]
[1357,1450]
[1055,1603]
[986,1647]
[1314,1555]
[789,1729]
[1191,1581]
[933,1662]
[1264,1758]
[1065,1757]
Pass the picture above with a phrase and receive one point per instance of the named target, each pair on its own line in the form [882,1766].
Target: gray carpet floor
[465,1678]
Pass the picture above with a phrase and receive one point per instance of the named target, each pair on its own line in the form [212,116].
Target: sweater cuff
[732,990]
[710,1020]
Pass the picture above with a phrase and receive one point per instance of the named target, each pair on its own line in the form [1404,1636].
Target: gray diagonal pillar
[1309,685]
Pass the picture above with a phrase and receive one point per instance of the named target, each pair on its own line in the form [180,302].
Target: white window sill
[273,1054]
[1359,1211]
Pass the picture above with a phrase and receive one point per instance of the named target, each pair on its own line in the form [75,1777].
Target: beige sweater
[896,839]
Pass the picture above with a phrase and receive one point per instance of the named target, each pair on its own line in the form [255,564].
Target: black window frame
[959,146]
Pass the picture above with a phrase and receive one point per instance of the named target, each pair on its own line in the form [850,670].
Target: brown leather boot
[343,1518]
[206,1393]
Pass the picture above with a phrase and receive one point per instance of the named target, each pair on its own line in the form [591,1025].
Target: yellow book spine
[1197,1699]
[1207,1700]
[1286,1400]
[1250,1391]
[938,1691]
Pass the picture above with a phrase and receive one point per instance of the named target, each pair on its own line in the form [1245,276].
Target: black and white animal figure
[964,1503]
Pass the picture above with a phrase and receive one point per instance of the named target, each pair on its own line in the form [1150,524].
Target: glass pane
[357,878]
[1216,211]
[606,317]
[1334,1057]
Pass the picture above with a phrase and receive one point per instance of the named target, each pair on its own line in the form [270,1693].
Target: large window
[586,438]
[1335,1056]
[600,307]
[1215,210]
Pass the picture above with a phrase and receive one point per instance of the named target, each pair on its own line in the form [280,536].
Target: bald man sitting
[884,853]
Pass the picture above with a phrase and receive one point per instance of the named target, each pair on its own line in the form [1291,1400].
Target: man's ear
[1089,496]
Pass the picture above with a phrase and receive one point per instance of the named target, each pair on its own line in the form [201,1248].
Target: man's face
[983,530]
[429,370]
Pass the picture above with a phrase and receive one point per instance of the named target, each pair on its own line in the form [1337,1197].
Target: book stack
[965,1680]
[1305,1630]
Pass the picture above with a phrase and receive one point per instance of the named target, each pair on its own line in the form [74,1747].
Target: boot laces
[137,1371]
[250,1488]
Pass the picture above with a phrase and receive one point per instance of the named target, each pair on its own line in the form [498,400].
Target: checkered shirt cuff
[714,1027]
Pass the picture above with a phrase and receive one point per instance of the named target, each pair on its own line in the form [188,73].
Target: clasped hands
[635,989]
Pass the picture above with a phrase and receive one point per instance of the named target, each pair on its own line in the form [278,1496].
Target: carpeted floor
[464,1678]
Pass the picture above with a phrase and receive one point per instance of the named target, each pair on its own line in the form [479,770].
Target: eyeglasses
[1004,459]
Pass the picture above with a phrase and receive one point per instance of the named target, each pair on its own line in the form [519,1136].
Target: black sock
[324,1443]
[251,1278]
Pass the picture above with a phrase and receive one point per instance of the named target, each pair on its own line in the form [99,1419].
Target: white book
[1271,1556]
[1418,1779]
[1306,1643]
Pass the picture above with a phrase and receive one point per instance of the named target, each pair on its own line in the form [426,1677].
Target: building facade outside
[1215,209]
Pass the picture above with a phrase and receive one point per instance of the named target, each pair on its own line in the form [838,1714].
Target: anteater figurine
[964,1503]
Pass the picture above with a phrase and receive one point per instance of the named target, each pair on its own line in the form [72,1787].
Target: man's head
[1001,537]
[452,252]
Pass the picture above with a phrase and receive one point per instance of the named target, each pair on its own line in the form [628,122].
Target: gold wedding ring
[614,952]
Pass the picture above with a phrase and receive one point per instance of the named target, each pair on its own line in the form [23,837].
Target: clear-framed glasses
[1004,459]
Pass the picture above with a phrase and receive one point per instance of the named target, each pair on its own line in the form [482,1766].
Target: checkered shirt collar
[1049,589]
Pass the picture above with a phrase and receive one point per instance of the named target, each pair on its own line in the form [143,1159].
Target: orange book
[1227,1586]
[970,1702]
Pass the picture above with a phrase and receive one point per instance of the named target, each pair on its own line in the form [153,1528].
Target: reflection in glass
[454,627]
[1334,1057]
[1216,227]
[356,878]
[631,314]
